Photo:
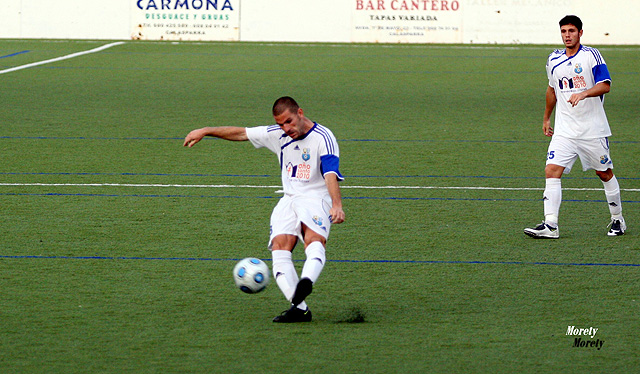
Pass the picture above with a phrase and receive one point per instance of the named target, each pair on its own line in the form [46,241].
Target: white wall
[296,20]
[536,21]
[65,19]
[476,21]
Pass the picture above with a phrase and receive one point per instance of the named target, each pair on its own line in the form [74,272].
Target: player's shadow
[353,315]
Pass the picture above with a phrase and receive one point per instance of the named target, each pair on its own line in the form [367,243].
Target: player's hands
[546,128]
[193,137]
[336,215]
[576,98]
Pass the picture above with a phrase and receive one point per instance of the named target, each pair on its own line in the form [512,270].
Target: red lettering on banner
[370,5]
[434,5]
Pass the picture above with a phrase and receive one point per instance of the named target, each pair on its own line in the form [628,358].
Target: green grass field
[113,260]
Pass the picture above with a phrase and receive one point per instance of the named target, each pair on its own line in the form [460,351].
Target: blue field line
[340,140]
[144,174]
[393,198]
[14,54]
[435,262]
[93,138]
[430,176]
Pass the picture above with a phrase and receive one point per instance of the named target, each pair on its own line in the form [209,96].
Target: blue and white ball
[251,275]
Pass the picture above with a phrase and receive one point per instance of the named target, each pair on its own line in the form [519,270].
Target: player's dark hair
[571,20]
[282,104]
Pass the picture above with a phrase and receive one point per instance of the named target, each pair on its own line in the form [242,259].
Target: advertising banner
[185,20]
[407,21]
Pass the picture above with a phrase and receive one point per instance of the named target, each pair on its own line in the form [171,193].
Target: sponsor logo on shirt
[571,83]
[300,171]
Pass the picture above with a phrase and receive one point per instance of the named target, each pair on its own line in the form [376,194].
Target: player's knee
[311,237]
[606,175]
[284,242]
[553,171]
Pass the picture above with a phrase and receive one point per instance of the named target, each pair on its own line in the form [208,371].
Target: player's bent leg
[310,272]
[313,265]
[287,279]
[316,258]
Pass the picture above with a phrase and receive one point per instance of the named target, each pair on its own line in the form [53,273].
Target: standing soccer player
[578,81]
[309,160]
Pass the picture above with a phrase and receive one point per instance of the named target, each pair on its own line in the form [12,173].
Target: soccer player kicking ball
[309,159]
[578,81]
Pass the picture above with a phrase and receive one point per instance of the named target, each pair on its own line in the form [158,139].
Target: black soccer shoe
[294,315]
[617,227]
[543,231]
[303,289]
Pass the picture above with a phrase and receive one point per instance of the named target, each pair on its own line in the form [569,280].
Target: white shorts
[291,212]
[593,153]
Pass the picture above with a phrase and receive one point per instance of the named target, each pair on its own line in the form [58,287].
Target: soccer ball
[251,275]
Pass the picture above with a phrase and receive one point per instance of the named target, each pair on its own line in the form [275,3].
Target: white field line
[60,58]
[267,186]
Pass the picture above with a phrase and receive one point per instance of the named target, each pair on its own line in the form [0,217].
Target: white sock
[315,261]
[612,192]
[552,200]
[285,274]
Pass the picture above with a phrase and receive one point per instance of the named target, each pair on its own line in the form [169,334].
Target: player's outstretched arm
[335,213]
[225,132]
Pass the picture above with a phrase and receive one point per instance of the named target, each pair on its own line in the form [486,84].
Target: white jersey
[303,162]
[569,75]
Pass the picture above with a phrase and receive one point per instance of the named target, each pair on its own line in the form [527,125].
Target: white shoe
[617,227]
[543,231]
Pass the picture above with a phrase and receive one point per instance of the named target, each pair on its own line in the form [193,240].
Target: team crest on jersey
[578,68]
[305,154]
[318,221]
[604,159]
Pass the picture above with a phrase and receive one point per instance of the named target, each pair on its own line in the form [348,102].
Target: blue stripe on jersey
[596,54]
[323,131]
[282,149]
[273,128]
[556,65]
[559,55]
[330,163]
[601,73]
